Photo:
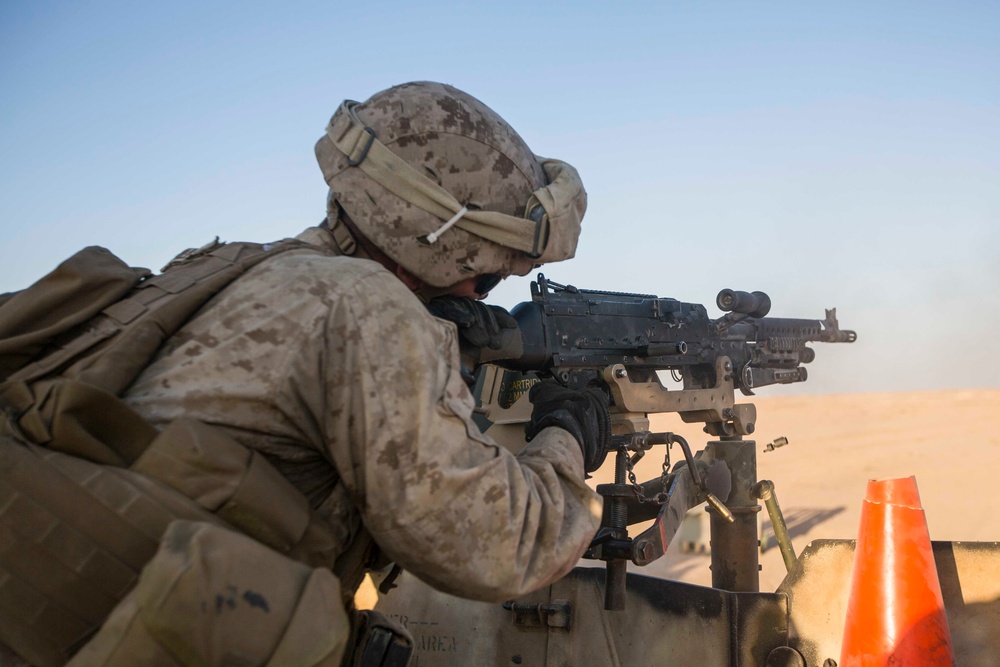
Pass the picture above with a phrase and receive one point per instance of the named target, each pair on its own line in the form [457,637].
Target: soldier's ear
[411,281]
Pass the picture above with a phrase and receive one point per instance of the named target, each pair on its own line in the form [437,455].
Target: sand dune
[949,440]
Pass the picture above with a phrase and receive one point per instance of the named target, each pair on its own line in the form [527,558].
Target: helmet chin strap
[427,292]
[345,233]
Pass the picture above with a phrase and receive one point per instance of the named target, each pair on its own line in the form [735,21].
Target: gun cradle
[504,400]
[715,405]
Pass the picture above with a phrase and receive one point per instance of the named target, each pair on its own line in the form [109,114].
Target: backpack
[87,486]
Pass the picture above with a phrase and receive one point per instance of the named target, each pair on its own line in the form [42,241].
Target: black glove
[582,412]
[479,324]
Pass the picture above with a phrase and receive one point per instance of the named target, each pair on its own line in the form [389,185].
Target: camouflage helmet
[445,187]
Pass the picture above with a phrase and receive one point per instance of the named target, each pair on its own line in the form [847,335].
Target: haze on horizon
[840,155]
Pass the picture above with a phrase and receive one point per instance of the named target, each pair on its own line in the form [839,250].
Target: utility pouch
[78,419]
[381,642]
[210,596]
[238,485]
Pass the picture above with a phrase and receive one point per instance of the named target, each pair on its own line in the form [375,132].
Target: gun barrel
[845,336]
[819,331]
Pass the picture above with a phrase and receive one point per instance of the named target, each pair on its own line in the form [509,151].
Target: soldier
[326,360]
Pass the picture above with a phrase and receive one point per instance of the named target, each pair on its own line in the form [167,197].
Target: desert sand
[949,440]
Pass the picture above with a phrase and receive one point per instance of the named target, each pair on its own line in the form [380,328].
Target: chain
[636,487]
[659,498]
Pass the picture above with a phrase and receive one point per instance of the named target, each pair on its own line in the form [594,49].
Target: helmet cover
[465,148]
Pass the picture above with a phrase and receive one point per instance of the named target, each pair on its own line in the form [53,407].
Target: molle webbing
[73,537]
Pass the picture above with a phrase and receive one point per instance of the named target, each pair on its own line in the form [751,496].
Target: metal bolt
[785,656]
[621,373]
[647,551]
[728,366]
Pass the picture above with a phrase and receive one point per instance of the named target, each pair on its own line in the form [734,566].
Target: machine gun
[590,337]
[622,342]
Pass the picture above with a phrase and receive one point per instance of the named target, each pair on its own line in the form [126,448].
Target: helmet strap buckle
[342,236]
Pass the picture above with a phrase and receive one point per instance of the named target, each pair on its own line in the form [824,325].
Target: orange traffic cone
[895,613]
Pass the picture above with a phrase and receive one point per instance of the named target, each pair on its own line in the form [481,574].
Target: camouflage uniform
[331,368]
[327,365]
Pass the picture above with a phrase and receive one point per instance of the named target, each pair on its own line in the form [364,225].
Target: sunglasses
[486,282]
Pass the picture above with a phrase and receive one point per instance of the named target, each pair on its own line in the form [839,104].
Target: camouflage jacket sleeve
[443,500]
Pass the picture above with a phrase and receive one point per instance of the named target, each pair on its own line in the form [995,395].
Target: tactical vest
[87,486]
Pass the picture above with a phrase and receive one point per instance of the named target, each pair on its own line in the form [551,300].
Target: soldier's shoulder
[299,265]
[323,275]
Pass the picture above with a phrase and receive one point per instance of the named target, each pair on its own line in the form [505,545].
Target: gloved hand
[479,324]
[582,412]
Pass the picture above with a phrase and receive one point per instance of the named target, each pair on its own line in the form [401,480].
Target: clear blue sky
[835,154]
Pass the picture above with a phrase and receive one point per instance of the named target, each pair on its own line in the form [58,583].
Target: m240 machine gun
[623,343]
[586,337]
